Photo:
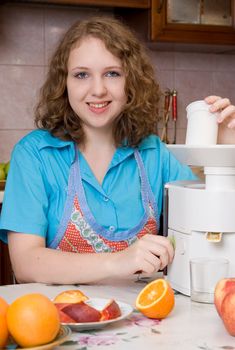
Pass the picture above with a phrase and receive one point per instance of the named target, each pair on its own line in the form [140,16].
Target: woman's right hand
[148,254]
[226,121]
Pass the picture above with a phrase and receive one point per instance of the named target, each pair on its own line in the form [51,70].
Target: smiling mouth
[98,105]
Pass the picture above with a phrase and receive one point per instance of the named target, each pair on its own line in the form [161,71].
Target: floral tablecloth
[190,326]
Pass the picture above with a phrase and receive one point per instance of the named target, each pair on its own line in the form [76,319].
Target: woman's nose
[98,87]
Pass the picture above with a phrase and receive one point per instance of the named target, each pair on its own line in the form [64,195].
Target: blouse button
[111,228]
[105,199]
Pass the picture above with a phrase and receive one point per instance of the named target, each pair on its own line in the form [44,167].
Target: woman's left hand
[226,119]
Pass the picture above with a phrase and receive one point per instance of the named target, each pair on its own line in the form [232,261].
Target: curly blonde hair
[139,117]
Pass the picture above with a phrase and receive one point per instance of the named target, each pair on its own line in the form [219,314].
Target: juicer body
[202,222]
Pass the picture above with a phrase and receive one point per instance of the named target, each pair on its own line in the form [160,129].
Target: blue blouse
[37,182]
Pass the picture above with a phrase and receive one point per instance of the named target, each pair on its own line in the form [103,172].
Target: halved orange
[70,296]
[156,300]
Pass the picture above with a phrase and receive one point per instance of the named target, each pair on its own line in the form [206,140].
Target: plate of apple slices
[91,313]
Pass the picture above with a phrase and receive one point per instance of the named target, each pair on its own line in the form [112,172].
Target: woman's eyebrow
[79,67]
[105,68]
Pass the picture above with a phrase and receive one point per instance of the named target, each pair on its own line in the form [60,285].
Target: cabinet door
[163,30]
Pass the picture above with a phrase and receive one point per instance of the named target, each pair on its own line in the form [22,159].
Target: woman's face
[95,84]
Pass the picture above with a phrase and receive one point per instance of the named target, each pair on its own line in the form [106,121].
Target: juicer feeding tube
[220,178]
[218,162]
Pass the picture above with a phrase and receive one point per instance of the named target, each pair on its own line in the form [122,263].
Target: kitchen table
[189,326]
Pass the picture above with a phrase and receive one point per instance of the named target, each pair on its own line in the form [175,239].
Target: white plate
[99,304]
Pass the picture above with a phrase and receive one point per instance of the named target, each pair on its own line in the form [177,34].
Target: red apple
[82,312]
[228,312]
[223,287]
[110,311]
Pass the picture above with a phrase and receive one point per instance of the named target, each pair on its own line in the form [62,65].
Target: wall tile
[191,86]
[165,79]
[19,86]
[21,35]
[223,84]
[58,20]
[8,139]
[225,63]
[162,60]
[194,61]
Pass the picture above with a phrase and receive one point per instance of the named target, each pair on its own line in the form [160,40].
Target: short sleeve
[25,201]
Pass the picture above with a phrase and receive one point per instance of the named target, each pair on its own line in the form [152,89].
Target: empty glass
[204,275]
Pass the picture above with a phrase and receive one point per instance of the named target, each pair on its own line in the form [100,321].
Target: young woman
[84,191]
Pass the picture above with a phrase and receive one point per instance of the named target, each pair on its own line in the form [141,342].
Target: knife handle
[174,105]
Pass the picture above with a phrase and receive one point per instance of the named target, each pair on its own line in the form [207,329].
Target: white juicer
[201,216]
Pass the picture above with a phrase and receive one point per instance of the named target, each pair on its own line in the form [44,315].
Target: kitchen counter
[189,326]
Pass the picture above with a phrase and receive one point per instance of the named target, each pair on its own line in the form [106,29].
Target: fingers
[148,254]
[150,264]
[156,250]
[211,99]
[217,103]
[224,106]
[220,104]
[228,112]
[161,246]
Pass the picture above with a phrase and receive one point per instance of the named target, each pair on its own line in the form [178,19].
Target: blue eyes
[112,74]
[109,74]
[81,75]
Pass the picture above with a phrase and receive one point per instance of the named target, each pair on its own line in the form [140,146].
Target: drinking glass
[204,275]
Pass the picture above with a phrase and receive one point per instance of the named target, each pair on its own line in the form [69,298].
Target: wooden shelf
[141,4]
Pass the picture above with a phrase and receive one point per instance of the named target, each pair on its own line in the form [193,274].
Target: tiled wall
[28,35]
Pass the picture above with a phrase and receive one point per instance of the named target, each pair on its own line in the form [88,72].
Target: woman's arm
[227,118]
[33,262]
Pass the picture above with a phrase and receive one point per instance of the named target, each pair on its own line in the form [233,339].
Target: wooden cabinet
[163,31]
[108,3]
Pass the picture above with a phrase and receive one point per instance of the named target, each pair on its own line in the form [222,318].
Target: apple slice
[64,318]
[70,296]
[60,306]
[81,312]
[110,311]
[228,312]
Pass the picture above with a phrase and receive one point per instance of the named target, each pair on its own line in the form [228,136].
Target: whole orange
[3,323]
[3,305]
[33,320]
